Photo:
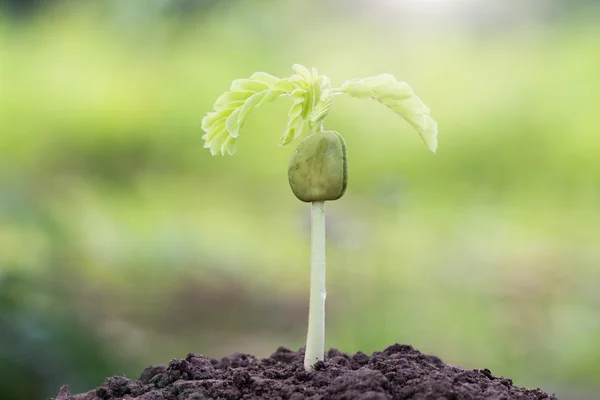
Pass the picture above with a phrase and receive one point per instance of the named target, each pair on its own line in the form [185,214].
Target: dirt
[398,372]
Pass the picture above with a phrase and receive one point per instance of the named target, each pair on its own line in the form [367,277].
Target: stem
[315,340]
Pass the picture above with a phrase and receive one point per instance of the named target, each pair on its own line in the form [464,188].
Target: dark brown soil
[398,372]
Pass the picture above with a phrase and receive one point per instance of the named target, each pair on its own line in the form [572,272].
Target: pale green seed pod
[318,169]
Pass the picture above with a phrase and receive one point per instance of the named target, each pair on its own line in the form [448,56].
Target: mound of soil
[398,372]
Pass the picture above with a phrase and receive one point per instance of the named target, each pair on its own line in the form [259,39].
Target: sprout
[318,169]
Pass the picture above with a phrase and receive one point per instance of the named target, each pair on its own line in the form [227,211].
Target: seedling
[318,169]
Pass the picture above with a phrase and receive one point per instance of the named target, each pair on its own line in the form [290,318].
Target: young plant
[317,171]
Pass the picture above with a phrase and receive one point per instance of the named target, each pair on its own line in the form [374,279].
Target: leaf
[232,106]
[228,146]
[380,80]
[311,95]
[400,98]
[295,123]
[322,108]
[265,78]
[284,85]
[216,144]
[215,130]
[358,89]
[302,71]
[249,105]
[269,97]
[293,131]
[213,117]
[232,124]
[211,136]
[248,85]
[300,82]
[324,104]
[309,101]
[231,109]
[396,91]
[231,96]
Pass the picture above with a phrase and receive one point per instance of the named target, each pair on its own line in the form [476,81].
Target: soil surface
[398,372]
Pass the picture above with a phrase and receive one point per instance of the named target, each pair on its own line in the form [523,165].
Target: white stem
[315,340]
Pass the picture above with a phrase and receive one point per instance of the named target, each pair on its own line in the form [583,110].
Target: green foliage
[312,100]
[232,109]
[400,98]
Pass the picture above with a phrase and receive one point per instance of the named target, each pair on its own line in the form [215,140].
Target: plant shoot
[318,169]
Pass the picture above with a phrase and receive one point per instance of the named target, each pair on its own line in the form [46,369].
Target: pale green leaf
[268,98]
[213,117]
[216,131]
[217,142]
[302,71]
[229,97]
[322,108]
[292,131]
[210,136]
[232,106]
[296,109]
[298,94]
[295,123]
[228,146]
[358,88]
[232,124]
[265,78]
[249,105]
[400,98]
[380,80]
[248,85]
[312,94]
[284,86]
[396,91]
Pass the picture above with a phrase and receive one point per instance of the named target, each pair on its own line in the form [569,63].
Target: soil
[398,372]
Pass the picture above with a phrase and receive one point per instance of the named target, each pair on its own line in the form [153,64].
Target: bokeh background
[123,243]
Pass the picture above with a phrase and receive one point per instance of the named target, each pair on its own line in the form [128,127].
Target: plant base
[398,372]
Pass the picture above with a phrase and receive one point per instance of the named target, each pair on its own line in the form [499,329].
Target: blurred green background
[123,243]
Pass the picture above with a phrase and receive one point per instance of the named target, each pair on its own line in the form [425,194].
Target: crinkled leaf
[265,78]
[358,88]
[248,85]
[229,97]
[400,98]
[428,129]
[217,142]
[380,80]
[284,85]
[249,105]
[268,98]
[322,108]
[293,131]
[228,146]
[232,108]
[295,123]
[312,95]
[216,126]
[213,117]
[312,100]
[210,136]
[300,82]
[298,94]
[233,124]
[396,91]
[296,109]
[302,71]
